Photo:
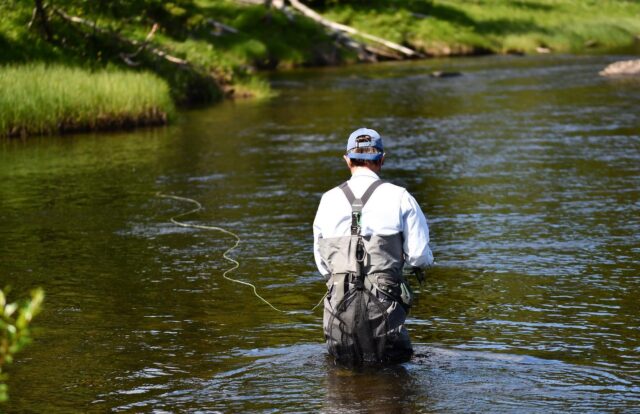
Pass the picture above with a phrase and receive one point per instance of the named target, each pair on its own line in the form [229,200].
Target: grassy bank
[231,40]
[445,27]
[41,99]
[221,62]
[217,48]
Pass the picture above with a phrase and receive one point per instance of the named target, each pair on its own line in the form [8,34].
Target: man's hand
[418,272]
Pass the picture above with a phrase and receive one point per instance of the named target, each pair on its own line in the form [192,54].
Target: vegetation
[15,319]
[223,42]
[444,27]
[41,99]
[208,49]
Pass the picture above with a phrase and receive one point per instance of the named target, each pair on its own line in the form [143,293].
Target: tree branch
[220,28]
[128,57]
[130,42]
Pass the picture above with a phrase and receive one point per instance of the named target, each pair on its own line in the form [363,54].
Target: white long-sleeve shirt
[391,209]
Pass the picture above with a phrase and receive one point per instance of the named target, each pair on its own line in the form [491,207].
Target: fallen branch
[34,15]
[220,28]
[130,42]
[341,28]
[273,4]
[128,57]
[282,6]
[420,15]
[365,52]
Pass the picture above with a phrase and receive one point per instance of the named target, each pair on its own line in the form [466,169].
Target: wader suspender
[356,214]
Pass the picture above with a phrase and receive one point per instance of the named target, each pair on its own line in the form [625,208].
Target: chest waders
[368,300]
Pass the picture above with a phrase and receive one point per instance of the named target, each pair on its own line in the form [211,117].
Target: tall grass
[41,99]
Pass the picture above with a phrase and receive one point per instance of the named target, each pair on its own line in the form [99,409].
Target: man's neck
[364,169]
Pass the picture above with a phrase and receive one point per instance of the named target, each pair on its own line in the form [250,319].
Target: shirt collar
[364,172]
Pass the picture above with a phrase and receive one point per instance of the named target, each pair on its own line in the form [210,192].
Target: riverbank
[205,50]
[44,100]
[208,50]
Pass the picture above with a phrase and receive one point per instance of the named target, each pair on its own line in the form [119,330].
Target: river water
[528,170]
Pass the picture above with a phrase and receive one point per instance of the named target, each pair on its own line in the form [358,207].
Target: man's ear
[347,160]
[382,160]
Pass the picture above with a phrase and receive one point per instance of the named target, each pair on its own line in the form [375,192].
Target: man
[365,232]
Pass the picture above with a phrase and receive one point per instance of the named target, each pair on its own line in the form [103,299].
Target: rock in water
[625,67]
[442,74]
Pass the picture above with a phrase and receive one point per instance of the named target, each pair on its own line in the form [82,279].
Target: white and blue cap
[362,138]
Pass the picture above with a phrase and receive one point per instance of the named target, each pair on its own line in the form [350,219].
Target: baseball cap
[374,141]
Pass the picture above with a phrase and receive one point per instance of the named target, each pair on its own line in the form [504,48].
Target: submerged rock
[625,67]
[441,74]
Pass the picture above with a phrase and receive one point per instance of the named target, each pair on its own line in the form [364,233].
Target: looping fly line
[225,255]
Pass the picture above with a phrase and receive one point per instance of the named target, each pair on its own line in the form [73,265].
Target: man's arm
[416,233]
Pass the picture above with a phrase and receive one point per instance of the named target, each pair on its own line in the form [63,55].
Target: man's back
[390,210]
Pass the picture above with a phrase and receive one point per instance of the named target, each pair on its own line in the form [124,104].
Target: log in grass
[51,99]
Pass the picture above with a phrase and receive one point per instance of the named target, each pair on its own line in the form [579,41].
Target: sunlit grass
[498,26]
[253,87]
[41,99]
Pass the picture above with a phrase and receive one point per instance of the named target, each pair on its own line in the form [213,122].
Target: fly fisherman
[365,232]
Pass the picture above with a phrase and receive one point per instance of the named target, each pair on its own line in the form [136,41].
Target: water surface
[527,168]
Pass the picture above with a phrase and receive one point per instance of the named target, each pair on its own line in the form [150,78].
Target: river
[528,169]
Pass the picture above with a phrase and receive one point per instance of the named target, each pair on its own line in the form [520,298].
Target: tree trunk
[40,14]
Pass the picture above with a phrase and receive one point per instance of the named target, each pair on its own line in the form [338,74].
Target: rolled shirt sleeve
[416,233]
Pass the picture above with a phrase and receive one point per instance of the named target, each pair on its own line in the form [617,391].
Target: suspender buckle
[355,223]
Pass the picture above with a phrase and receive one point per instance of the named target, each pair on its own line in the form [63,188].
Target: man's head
[364,149]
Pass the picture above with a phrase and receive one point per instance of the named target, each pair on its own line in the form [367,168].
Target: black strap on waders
[357,204]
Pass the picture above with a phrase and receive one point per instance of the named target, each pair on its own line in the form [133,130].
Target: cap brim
[365,157]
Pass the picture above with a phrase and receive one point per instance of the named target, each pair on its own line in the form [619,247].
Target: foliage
[187,29]
[47,99]
[15,319]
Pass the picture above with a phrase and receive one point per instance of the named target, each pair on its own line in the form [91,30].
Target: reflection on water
[528,170]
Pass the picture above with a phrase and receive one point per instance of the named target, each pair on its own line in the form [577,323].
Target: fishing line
[225,255]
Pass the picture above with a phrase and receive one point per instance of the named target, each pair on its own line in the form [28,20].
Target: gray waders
[367,300]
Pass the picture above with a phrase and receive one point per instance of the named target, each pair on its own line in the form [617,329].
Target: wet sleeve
[317,233]
[415,232]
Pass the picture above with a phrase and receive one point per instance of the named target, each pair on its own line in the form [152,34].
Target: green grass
[496,26]
[36,98]
[265,40]
[42,99]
